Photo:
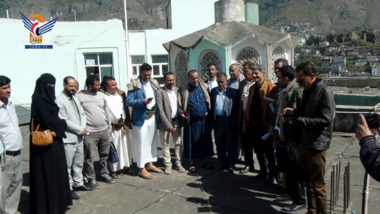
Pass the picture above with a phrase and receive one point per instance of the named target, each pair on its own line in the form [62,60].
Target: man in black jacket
[224,120]
[370,149]
[314,119]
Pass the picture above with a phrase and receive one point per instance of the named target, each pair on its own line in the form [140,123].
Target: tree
[340,38]
[313,40]
[330,38]
[315,60]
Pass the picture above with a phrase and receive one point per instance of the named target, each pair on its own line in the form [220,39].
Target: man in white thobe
[142,98]
[120,122]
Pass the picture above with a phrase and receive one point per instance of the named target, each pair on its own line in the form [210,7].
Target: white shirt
[115,104]
[10,134]
[246,93]
[173,102]
[212,84]
[149,93]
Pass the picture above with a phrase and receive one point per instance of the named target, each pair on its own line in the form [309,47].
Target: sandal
[129,171]
[193,168]
[115,175]
[154,169]
[145,174]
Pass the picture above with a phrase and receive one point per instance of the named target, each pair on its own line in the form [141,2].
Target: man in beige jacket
[167,100]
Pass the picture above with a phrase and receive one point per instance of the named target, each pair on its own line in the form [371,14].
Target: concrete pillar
[251,12]
[229,10]
[292,55]
[228,59]
[268,70]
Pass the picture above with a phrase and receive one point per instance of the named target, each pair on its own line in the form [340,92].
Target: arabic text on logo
[34,24]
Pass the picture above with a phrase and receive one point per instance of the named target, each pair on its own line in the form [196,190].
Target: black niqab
[42,87]
[45,92]
[49,179]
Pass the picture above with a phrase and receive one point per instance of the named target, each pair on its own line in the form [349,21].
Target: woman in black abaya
[49,181]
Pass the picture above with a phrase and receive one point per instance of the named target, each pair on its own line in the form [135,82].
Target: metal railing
[334,187]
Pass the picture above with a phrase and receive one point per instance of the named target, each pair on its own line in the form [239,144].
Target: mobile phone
[150,99]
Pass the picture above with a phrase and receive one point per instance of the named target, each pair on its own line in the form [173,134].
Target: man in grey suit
[167,100]
[71,110]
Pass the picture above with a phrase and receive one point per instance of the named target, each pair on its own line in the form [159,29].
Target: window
[99,64]
[136,62]
[160,65]
[276,54]
[248,54]
[207,57]
[181,68]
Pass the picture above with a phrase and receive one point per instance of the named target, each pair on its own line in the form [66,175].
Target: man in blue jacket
[142,97]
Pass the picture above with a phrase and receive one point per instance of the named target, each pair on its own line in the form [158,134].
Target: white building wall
[187,17]
[70,40]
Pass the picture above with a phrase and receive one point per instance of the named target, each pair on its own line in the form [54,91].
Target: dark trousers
[96,142]
[247,146]
[264,151]
[281,155]
[295,187]
[227,145]
[313,164]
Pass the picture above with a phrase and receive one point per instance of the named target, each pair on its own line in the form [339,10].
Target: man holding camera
[369,147]
[142,97]
[314,119]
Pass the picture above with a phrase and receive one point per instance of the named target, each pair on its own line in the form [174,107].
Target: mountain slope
[325,15]
[300,16]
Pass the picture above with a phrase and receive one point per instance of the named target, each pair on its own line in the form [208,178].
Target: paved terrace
[209,191]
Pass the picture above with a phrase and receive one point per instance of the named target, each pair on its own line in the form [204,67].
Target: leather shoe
[81,188]
[92,185]
[247,169]
[293,207]
[230,169]
[180,169]
[168,170]
[108,179]
[261,176]
[270,180]
[282,198]
[74,196]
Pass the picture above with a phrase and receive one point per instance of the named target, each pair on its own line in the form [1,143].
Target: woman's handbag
[41,138]
[113,157]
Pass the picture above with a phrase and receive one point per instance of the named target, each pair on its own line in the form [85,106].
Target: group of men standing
[276,121]
[289,121]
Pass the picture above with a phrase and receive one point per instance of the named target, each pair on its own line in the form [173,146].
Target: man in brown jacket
[256,121]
